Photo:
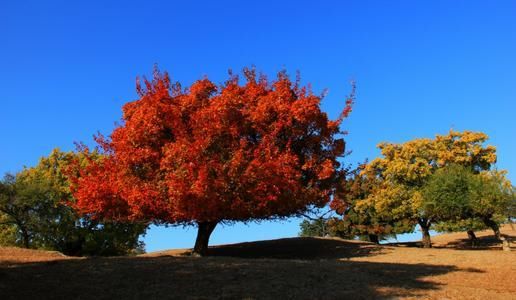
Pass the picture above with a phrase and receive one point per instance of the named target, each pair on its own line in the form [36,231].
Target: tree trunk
[373,238]
[323,225]
[25,238]
[203,237]
[472,237]
[425,230]
[494,226]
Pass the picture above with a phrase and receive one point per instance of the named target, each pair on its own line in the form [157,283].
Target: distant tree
[325,227]
[405,168]
[310,228]
[212,154]
[317,223]
[35,213]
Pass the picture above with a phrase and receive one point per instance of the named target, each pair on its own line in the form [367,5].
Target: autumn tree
[209,154]
[404,169]
[359,218]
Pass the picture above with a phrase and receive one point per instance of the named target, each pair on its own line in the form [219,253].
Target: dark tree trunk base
[203,237]
[494,226]
[472,238]
[25,239]
[425,230]
[373,238]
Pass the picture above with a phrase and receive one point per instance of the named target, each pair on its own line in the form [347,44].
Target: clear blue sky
[421,67]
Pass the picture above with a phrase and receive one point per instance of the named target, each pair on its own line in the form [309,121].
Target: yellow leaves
[416,200]
[499,176]
[404,168]
[489,154]
[465,148]
[417,159]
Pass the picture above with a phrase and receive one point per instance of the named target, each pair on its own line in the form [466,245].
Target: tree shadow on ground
[167,277]
[485,242]
[299,248]
[482,243]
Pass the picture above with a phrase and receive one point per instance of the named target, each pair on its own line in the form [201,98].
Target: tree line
[245,150]
[448,183]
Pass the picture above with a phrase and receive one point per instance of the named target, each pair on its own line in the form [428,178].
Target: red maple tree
[211,154]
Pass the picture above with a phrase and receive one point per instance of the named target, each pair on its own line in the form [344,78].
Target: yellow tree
[362,220]
[405,168]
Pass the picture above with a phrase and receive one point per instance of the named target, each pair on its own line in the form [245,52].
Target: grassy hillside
[295,268]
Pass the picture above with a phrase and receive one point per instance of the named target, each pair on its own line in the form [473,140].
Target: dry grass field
[295,268]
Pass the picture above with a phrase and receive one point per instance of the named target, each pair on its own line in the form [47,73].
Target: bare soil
[295,268]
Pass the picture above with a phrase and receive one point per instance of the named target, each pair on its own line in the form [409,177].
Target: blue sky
[421,67]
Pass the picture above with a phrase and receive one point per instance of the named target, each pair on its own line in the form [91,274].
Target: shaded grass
[294,268]
[214,278]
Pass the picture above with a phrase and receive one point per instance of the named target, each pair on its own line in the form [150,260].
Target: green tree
[447,198]
[460,198]
[449,192]
[310,228]
[36,208]
[494,199]
[24,208]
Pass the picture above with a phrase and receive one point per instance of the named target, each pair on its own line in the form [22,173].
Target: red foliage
[235,152]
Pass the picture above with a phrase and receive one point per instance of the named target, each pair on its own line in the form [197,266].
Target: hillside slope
[294,268]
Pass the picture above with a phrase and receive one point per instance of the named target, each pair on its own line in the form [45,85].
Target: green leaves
[34,213]
[449,193]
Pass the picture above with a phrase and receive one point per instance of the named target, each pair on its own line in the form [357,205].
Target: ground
[295,268]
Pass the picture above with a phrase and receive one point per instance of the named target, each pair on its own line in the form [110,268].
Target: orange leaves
[327,170]
[235,152]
